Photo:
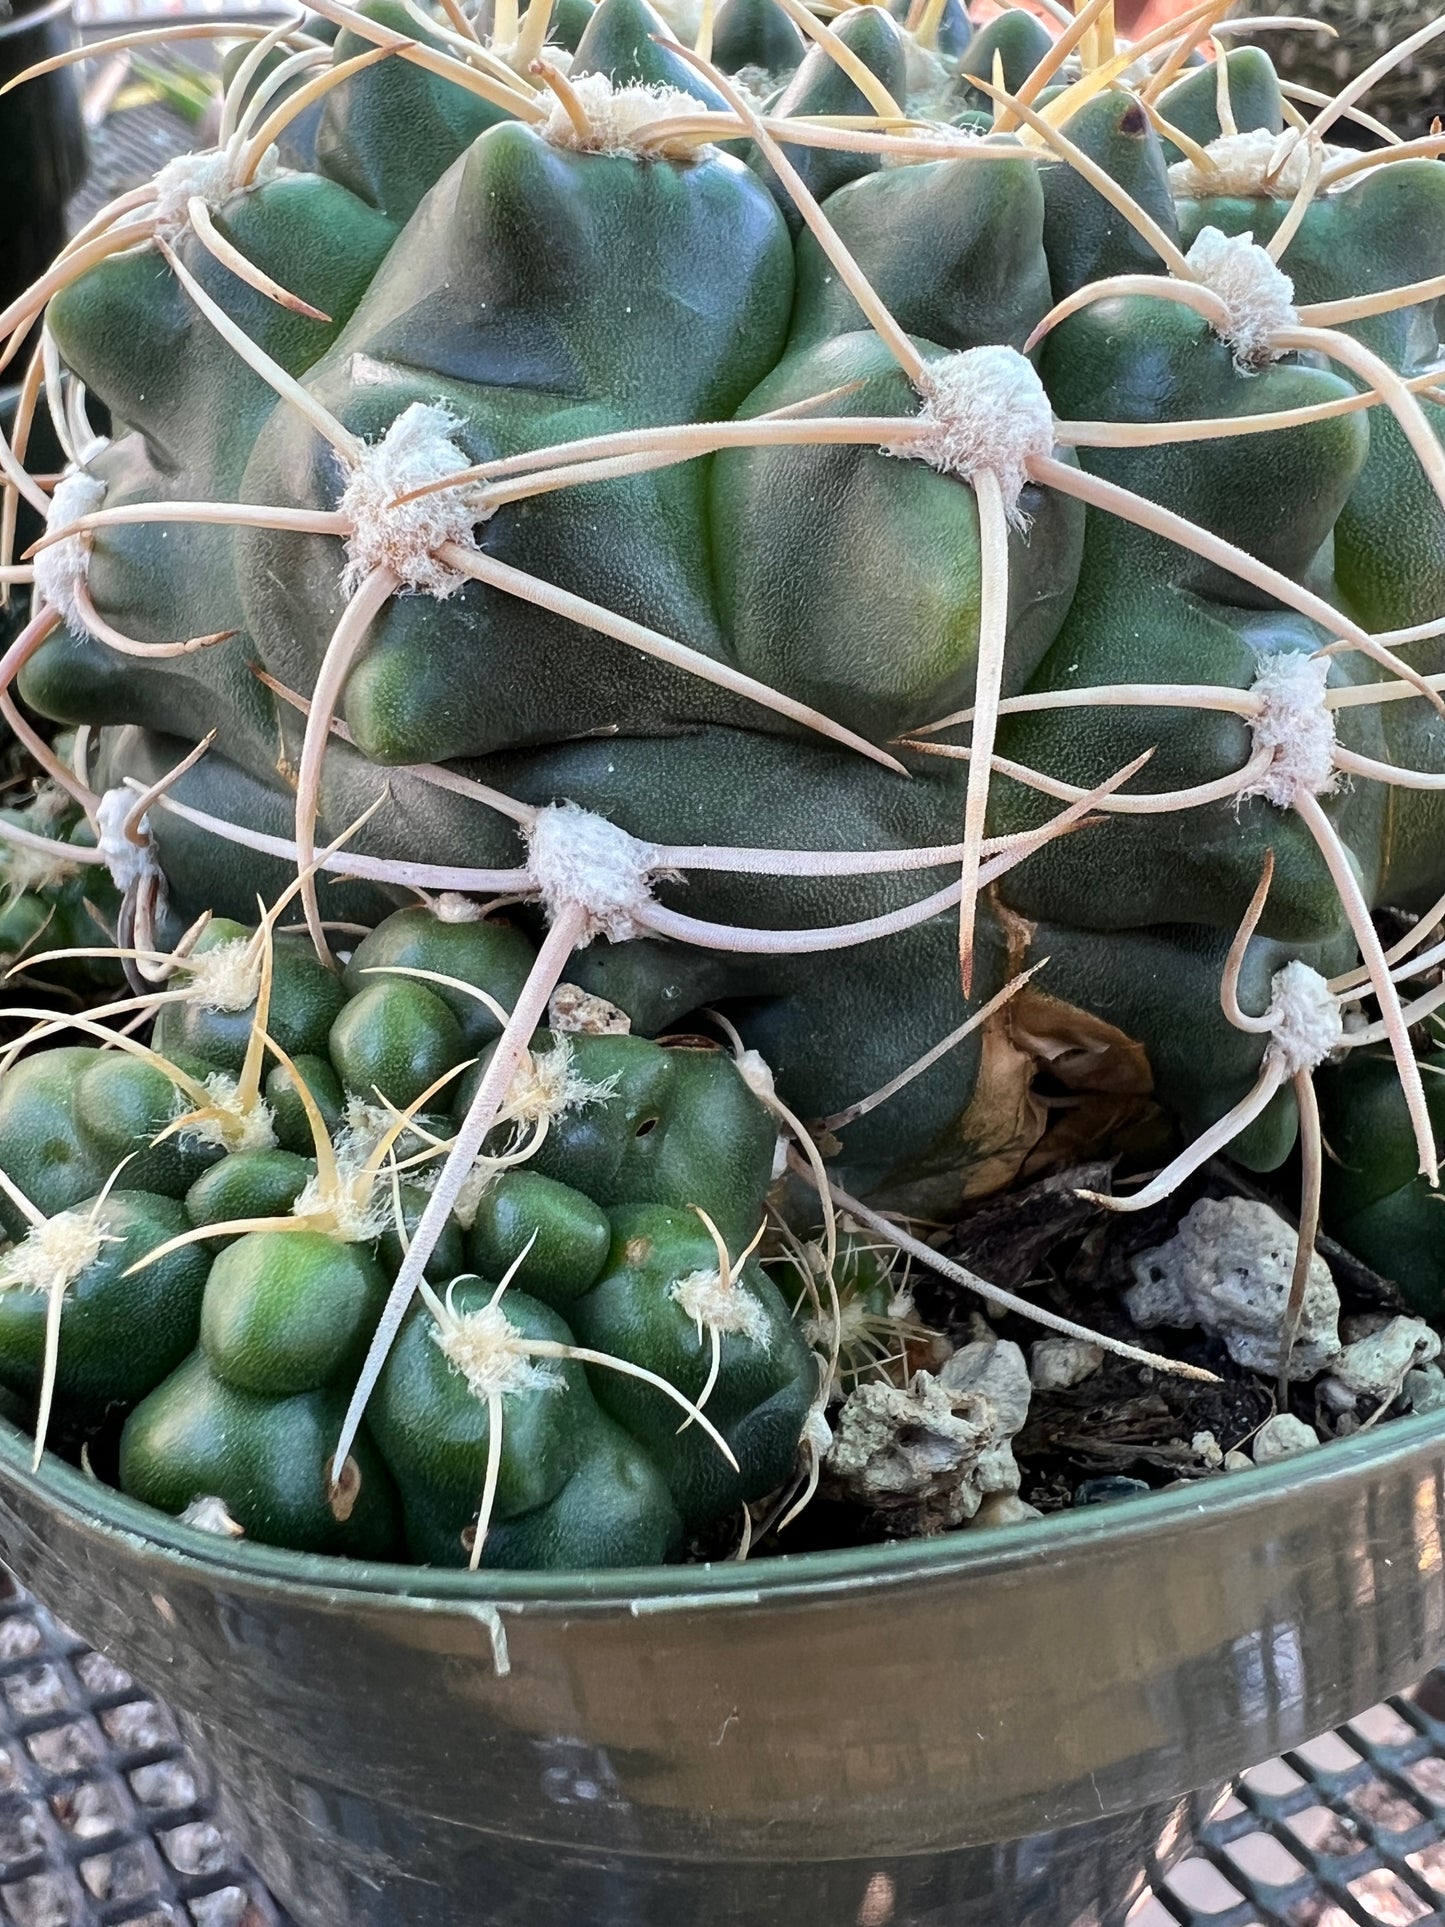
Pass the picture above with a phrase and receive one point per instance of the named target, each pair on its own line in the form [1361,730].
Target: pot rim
[789,1577]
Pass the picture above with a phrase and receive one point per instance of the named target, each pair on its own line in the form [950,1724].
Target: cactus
[1338,40]
[224,1301]
[1376,1203]
[57,899]
[920,549]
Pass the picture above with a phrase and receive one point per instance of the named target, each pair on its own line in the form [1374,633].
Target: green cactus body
[678,1126]
[210,1031]
[238,1343]
[288,1116]
[1375,1201]
[121,1333]
[264,1459]
[846,578]
[663,1302]
[248,1184]
[556,1236]
[435,1430]
[50,901]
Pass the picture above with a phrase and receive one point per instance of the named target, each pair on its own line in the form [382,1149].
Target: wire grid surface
[103,1820]
[1347,1832]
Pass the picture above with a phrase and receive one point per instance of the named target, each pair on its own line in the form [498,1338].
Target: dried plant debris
[1114,1423]
[1010,1239]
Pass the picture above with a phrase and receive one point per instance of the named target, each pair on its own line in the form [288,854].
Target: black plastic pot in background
[42,164]
[42,142]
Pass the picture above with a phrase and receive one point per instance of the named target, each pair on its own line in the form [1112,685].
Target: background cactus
[685,497]
[1338,39]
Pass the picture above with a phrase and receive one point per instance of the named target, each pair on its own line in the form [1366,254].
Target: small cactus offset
[594,1347]
[59,907]
[799,615]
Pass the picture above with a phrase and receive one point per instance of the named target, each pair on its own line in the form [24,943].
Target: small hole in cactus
[1133,120]
[647,1127]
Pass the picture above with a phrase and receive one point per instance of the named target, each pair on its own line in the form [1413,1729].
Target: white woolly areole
[984,409]
[50,803]
[857,1321]
[758,84]
[1257,292]
[1295,726]
[233,1126]
[616,116]
[1239,168]
[363,1126]
[544,1086]
[53,1254]
[352,1213]
[60,571]
[547,1084]
[128,862]
[227,977]
[452,907]
[490,1352]
[403,537]
[34,870]
[720,1305]
[207,1513]
[209,177]
[475,1186]
[923,69]
[576,857]
[1304,1018]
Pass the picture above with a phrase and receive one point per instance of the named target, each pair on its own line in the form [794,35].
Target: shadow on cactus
[925,545]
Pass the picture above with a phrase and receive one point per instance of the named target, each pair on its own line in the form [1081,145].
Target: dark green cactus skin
[46,906]
[1374,1200]
[680,1128]
[238,1349]
[544,294]
[764,1387]
[119,1336]
[555,1235]
[264,1458]
[756,34]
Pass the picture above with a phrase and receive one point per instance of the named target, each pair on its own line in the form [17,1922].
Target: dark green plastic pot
[998,1729]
